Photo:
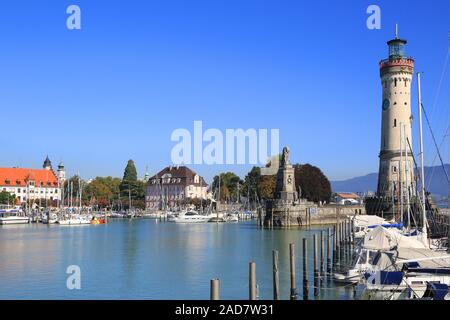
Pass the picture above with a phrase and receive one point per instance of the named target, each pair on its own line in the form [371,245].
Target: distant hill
[436,182]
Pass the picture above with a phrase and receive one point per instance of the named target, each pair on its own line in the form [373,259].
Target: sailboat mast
[219,193]
[422,170]
[400,174]
[79,190]
[407,182]
[129,198]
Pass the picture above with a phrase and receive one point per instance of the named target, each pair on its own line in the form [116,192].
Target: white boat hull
[14,220]
[73,222]
[193,220]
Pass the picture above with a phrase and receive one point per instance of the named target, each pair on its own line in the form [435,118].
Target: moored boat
[190,217]
[10,215]
[73,221]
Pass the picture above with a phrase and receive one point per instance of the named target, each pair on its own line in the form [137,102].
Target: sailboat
[131,213]
[75,218]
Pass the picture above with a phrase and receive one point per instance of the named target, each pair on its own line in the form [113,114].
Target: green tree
[266,187]
[257,185]
[313,183]
[102,190]
[230,186]
[130,183]
[7,198]
[250,186]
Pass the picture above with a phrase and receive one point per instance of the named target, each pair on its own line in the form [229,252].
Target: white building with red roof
[33,184]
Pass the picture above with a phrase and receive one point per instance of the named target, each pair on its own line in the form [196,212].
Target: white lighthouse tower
[395,175]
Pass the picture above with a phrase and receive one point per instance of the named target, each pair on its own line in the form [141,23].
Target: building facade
[396,174]
[33,184]
[171,187]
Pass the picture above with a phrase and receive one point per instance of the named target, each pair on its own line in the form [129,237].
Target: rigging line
[435,156]
[435,144]
[419,177]
[444,68]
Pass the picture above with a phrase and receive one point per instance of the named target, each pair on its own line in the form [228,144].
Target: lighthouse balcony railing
[397,61]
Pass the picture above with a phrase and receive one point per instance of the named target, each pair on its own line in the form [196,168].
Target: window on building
[395,123]
[395,82]
[394,169]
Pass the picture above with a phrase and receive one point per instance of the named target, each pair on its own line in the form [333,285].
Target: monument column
[285,188]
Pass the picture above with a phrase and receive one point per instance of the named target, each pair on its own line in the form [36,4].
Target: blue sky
[137,70]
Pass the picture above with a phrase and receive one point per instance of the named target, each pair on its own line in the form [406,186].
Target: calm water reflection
[147,259]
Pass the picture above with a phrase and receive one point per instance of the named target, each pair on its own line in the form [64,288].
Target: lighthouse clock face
[385,104]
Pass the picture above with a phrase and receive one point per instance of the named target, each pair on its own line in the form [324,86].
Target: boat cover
[381,238]
[367,220]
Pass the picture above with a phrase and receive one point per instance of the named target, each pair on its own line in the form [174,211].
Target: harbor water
[150,259]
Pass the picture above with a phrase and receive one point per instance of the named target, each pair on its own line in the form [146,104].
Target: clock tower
[396,170]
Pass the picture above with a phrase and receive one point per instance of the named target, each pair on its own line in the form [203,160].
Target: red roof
[15,177]
[350,195]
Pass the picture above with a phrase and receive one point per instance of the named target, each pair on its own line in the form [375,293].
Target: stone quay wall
[307,213]
[329,214]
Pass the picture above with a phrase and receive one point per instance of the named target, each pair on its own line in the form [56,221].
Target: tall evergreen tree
[130,183]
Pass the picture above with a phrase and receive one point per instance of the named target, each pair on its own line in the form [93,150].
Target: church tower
[47,164]
[396,169]
[61,173]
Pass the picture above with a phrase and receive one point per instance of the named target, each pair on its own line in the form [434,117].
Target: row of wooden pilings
[338,243]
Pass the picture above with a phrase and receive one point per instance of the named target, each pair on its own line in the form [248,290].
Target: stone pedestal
[286,209]
[285,188]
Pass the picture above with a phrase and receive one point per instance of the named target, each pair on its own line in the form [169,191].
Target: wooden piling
[215,289]
[338,243]
[276,280]
[292,269]
[352,228]
[305,269]
[252,280]
[349,245]
[334,246]
[347,229]
[271,220]
[328,252]
[316,267]
[343,243]
[322,256]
